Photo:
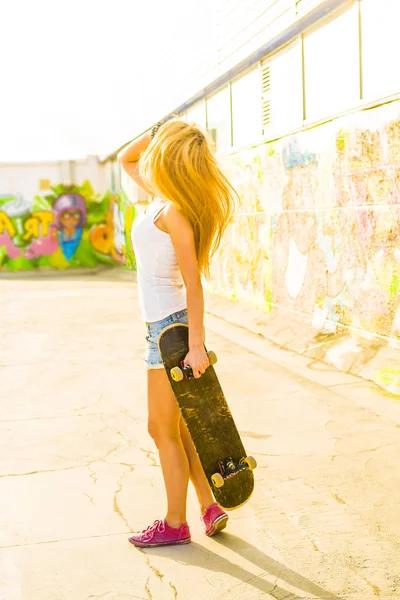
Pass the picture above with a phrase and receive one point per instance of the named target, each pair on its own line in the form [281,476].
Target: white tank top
[162,291]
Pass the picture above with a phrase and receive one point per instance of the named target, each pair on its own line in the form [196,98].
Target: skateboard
[209,421]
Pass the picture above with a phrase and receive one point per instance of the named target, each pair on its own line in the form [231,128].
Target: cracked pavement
[78,470]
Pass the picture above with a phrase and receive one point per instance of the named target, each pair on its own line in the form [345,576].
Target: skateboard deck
[209,421]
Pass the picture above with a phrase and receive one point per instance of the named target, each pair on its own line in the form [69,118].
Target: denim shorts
[152,356]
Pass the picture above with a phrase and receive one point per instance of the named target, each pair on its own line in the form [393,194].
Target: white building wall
[96,173]
[24,178]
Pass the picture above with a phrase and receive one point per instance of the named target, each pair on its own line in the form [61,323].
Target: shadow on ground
[197,555]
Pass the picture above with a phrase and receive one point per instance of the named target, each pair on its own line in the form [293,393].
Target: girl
[70,217]
[173,241]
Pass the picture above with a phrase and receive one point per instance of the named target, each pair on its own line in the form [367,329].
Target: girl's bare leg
[164,428]
[197,476]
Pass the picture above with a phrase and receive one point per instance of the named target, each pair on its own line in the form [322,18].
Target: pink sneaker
[214,519]
[161,534]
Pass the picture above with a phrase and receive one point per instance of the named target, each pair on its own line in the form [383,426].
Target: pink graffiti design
[44,246]
[12,250]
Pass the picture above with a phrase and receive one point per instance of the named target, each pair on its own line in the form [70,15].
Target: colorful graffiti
[318,230]
[71,227]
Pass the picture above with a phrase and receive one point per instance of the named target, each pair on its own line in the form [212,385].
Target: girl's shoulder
[174,217]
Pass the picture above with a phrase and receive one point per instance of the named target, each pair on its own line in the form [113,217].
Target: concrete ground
[78,470]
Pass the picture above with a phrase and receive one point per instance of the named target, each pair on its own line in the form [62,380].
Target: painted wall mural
[71,227]
[317,234]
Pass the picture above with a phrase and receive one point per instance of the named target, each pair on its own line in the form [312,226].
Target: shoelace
[149,533]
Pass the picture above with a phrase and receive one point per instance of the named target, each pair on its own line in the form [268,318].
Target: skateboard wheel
[217,480]
[212,357]
[176,374]
[251,462]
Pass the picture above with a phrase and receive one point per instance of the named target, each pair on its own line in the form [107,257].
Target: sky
[81,77]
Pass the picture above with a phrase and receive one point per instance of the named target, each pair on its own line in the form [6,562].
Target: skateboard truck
[229,468]
[181,372]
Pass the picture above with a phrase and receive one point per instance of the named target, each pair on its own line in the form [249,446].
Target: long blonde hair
[180,166]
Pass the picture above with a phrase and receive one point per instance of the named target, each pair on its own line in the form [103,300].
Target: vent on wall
[266,116]
[266,94]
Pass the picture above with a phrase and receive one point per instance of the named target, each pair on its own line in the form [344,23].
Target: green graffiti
[70,227]
[389,379]
[130,214]
[341,141]
[394,289]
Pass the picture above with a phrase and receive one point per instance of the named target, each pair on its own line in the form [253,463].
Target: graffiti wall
[317,234]
[70,227]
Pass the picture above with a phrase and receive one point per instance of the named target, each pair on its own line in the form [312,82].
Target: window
[282,88]
[246,109]
[219,119]
[381,46]
[197,114]
[331,62]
